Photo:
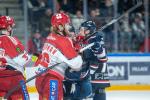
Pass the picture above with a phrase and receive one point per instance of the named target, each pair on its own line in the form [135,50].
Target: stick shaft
[28,80]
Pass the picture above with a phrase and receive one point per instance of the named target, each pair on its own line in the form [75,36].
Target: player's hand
[97,47]
[40,69]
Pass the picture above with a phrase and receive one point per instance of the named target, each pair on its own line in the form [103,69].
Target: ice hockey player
[58,48]
[94,62]
[13,58]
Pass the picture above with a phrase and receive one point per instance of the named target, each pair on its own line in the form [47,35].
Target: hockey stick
[114,20]
[86,47]
[37,75]
[28,80]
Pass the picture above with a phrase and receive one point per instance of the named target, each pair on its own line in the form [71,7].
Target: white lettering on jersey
[56,56]
[50,49]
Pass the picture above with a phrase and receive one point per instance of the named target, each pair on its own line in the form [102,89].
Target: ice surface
[117,95]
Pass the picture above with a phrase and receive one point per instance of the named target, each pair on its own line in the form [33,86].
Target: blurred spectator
[77,19]
[50,4]
[107,12]
[125,34]
[44,23]
[36,9]
[97,11]
[92,4]
[35,44]
[124,5]
[68,5]
[138,29]
[143,45]
[95,16]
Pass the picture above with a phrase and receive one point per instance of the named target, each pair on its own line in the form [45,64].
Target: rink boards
[129,68]
[126,71]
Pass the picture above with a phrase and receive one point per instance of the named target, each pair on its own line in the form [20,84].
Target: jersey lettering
[50,49]
[45,60]
[25,56]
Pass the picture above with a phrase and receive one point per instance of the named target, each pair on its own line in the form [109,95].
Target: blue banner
[24,90]
[53,90]
[139,68]
[118,70]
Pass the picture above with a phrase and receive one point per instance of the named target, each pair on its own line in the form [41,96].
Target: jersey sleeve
[14,52]
[74,63]
[99,49]
[51,55]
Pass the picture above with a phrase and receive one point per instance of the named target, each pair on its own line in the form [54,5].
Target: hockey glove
[97,47]
[39,69]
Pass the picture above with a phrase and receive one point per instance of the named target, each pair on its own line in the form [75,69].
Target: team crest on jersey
[18,50]
[53,90]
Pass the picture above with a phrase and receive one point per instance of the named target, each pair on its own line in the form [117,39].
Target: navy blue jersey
[94,62]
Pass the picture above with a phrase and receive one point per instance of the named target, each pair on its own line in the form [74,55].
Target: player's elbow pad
[76,63]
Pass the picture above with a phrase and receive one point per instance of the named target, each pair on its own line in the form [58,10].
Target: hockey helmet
[11,21]
[89,25]
[60,19]
[5,21]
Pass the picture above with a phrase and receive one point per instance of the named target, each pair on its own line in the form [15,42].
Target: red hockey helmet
[60,19]
[10,21]
[3,22]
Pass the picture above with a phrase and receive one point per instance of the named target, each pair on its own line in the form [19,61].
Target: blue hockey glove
[98,42]
[97,48]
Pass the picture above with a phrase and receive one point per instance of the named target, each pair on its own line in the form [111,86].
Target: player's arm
[99,51]
[98,48]
[22,59]
[75,63]
[54,55]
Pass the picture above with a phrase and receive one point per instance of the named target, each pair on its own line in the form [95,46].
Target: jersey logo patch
[18,50]
[53,90]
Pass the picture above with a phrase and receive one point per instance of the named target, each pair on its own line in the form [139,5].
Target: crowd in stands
[131,28]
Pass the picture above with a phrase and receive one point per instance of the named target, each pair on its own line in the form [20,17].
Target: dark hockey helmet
[89,25]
